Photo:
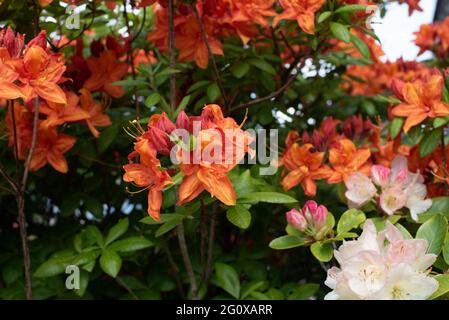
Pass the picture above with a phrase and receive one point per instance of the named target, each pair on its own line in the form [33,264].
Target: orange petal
[10,91]
[189,189]
[154,203]
[51,92]
[293,178]
[220,187]
[413,120]
[57,161]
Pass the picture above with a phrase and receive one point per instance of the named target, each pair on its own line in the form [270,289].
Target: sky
[395,30]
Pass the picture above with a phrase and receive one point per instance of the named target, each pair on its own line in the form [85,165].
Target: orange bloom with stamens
[421,99]
[303,11]
[50,148]
[96,116]
[39,73]
[105,70]
[304,166]
[346,159]
[221,144]
[148,174]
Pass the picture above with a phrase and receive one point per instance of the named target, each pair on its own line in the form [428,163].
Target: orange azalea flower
[346,159]
[305,167]
[303,11]
[58,114]
[421,99]
[95,116]
[254,10]
[218,134]
[39,73]
[50,148]
[149,174]
[190,41]
[106,70]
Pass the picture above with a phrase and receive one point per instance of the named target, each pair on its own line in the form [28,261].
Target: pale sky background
[396,29]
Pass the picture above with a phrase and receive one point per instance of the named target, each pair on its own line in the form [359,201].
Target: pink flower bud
[380,175]
[165,124]
[183,121]
[309,206]
[40,40]
[159,141]
[13,43]
[296,220]
[319,217]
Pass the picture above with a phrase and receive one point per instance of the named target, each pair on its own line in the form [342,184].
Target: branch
[171,46]
[187,261]
[211,56]
[174,267]
[131,58]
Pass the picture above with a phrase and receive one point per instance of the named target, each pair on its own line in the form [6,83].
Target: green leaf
[349,220]
[262,65]
[403,231]
[165,217]
[198,85]
[55,265]
[440,121]
[110,262]
[152,100]
[239,69]
[443,288]
[228,279]
[167,71]
[287,242]
[340,32]
[430,141]
[322,251]
[213,92]
[130,83]
[250,287]
[116,231]
[130,244]
[304,291]
[439,205]
[434,231]
[84,281]
[239,216]
[94,206]
[182,105]
[351,8]
[270,197]
[361,46]
[395,127]
[166,227]
[445,248]
[106,138]
[94,235]
[324,16]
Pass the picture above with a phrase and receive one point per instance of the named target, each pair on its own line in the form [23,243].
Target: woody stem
[187,261]
[216,73]
[171,45]
[443,157]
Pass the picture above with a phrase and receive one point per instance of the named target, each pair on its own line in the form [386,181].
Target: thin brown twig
[174,267]
[171,45]
[16,141]
[187,261]
[203,233]
[127,288]
[444,159]
[215,72]
[210,248]
[131,58]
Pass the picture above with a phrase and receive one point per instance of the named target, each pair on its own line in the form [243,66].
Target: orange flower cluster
[32,74]
[224,18]
[434,37]
[420,99]
[205,148]
[327,154]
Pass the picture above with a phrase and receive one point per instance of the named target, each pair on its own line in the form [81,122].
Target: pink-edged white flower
[311,219]
[381,266]
[393,189]
[360,190]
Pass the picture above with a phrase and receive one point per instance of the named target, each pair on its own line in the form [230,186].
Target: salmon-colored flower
[149,174]
[346,159]
[50,148]
[95,113]
[421,99]
[221,145]
[105,70]
[304,166]
[303,11]
[39,73]
[58,114]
